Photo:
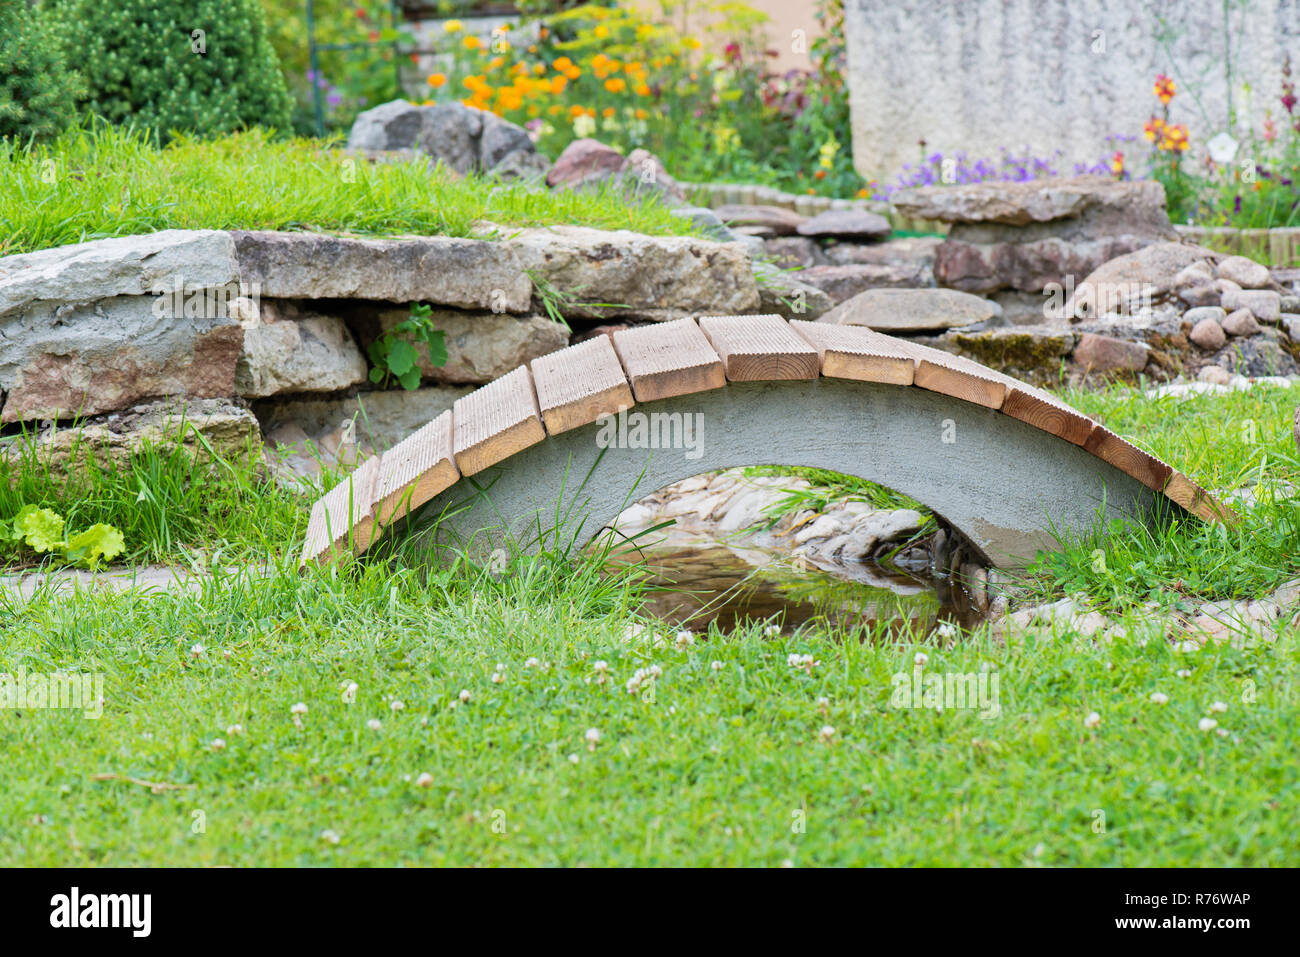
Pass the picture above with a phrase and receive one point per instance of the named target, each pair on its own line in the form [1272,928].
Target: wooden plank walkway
[575,386]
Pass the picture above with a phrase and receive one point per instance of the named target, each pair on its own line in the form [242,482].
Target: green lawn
[721,759]
[108,182]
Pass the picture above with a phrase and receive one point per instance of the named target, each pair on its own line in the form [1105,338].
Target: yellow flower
[558,83]
[616,85]
[643,30]
[562,65]
[642,90]
[495,63]
[539,69]
[453,26]
[641,114]
[472,43]
[601,31]
[573,73]
[693,43]
[437,79]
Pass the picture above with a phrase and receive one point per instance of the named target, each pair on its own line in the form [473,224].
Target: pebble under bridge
[575,437]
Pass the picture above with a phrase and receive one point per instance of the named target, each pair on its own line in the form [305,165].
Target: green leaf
[437,341]
[401,358]
[410,379]
[99,542]
[40,528]
[376,374]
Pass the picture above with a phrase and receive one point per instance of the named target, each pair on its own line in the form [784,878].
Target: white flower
[330,837]
[497,677]
[685,639]
[946,629]
[374,724]
[1218,707]
[235,729]
[396,706]
[1207,724]
[196,651]
[349,692]
[1222,148]
[532,663]
[827,732]
[920,658]
[583,126]
[1183,673]
[218,744]
[464,695]
[600,667]
[772,631]
[592,735]
[1158,697]
[655,671]
[573,759]
[716,665]
[425,780]
[1092,721]
[806,662]
[299,708]
[1222,732]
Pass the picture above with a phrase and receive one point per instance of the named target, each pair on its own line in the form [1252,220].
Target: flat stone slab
[846,224]
[911,310]
[1033,201]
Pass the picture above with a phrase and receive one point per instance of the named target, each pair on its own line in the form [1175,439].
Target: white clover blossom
[1093,720]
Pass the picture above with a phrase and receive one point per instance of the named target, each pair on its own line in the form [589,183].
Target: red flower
[1164,88]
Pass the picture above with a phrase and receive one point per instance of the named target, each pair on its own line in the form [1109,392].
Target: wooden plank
[668,359]
[495,422]
[577,385]
[1048,413]
[760,348]
[1128,458]
[1198,501]
[856,352]
[342,517]
[956,376]
[415,470]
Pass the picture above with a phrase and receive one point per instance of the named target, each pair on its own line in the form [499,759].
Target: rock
[706,221]
[1240,323]
[1264,305]
[1139,202]
[646,277]
[1031,353]
[593,331]
[1129,282]
[1260,356]
[80,273]
[1197,296]
[466,140]
[1246,273]
[1290,304]
[383,418]
[781,293]
[65,359]
[466,273]
[1225,286]
[911,257]
[846,224]
[984,259]
[481,346]
[588,163]
[1104,354]
[584,161]
[782,222]
[793,251]
[193,425]
[1215,375]
[1198,274]
[911,310]
[1208,334]
[844,282]
[1194,316]
[287,349]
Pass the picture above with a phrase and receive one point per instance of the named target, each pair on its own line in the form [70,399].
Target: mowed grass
[725,759]
[92,184]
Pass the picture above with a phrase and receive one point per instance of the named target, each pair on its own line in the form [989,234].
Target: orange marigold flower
[576,111]
[641,114]
[607,112]
[472,43]
[616,85]
[495,63]
[558,83]
[562,65]
[573,73]
[1164,88]
[642,90]
[436,80]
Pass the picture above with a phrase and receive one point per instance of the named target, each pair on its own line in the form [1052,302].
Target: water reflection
[697,580]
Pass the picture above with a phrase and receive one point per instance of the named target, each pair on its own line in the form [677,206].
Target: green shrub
[36,89]
[202,66]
